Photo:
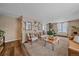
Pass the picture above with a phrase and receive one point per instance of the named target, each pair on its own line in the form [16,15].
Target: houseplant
[75,27]
[51,34]
[1,36]
[2,33]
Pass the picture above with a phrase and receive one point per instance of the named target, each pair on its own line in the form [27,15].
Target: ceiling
[45,12]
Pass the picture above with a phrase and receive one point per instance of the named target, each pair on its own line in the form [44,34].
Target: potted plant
[77,28]
[51,33]
[1,34]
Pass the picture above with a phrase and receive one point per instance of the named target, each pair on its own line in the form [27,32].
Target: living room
[50,29]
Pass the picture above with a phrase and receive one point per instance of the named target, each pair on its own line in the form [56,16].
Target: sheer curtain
[62,27]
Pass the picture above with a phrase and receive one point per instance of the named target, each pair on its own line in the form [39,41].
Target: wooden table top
[52,40]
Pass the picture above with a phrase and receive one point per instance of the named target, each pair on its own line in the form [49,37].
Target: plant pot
[51,37]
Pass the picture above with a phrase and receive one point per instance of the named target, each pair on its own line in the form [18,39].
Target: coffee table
[51,41]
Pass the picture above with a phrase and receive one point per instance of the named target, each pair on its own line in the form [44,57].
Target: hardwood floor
[14,49]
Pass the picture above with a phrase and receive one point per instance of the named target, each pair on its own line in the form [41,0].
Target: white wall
[9,25]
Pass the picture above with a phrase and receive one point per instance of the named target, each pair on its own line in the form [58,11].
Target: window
[28,26]
[62,27]
[44,27]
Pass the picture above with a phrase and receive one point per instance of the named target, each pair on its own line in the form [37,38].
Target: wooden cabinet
[73,48]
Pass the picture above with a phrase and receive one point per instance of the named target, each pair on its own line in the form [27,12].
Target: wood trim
[25,50]
[77,20]
[19,28]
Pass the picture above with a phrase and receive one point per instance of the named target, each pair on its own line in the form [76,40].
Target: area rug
[37,49]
